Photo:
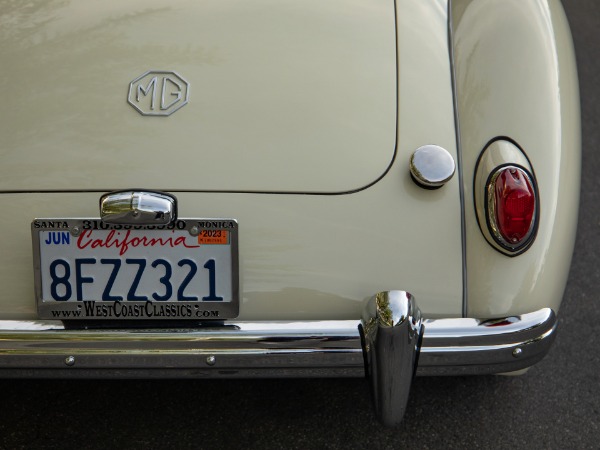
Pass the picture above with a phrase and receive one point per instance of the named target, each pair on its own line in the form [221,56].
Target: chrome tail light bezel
[498,155]
[492,216]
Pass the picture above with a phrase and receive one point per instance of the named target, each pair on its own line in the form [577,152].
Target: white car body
[299,122]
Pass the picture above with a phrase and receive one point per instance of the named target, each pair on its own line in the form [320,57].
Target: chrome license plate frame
[110,272]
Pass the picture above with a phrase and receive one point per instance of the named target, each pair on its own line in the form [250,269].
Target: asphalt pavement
[555,406]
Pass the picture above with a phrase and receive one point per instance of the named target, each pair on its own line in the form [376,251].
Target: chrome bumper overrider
[389,345]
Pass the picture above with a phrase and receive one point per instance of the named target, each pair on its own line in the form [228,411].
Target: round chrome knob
[431,166]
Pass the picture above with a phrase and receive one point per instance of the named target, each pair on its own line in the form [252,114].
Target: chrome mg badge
[157,93]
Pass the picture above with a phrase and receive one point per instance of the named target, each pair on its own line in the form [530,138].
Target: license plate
[88,270]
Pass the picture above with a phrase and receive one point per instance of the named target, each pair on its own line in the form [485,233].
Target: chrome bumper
[390,344]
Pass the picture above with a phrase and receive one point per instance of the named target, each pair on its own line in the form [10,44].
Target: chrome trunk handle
[138,207]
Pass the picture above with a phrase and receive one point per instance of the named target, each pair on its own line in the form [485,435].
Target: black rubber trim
[459,162]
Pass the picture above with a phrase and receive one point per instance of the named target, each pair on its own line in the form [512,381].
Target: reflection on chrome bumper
[396,343]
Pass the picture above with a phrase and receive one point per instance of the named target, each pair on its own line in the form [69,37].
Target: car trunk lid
[302,99]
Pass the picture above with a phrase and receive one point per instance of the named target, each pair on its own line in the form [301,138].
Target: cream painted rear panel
[316,256]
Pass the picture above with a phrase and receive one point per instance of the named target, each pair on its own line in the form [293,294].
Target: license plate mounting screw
[211,360]
[75,231]
[70,361]
[517,352]
[194,231]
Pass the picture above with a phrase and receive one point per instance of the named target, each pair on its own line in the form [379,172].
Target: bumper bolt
[70,361]
[517,352]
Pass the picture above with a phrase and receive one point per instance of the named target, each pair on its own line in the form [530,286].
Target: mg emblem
[158,93]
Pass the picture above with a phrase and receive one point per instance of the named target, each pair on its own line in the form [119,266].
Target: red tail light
[512,204]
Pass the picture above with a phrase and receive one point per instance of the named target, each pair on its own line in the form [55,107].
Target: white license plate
[89,270]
